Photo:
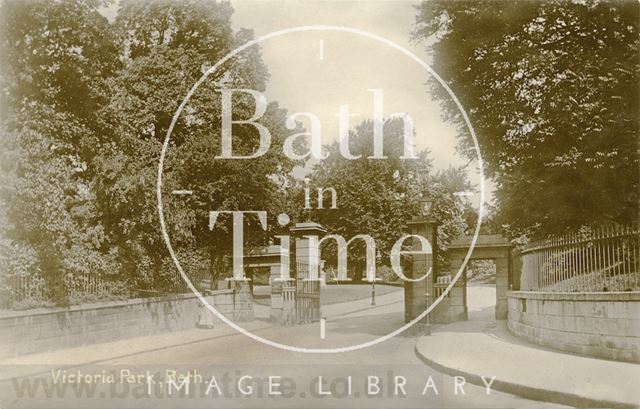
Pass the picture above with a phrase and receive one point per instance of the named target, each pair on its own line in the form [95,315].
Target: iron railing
[36,289]
[307,295]
[440,285]
[594,260]
[76,287]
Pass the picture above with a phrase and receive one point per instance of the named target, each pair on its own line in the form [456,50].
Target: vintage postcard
[319,204]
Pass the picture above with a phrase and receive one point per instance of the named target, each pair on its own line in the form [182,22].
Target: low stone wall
[602,325]
[25,332]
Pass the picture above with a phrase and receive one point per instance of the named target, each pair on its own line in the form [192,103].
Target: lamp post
[426,203]
[373,283]
[373,292]
[307,183]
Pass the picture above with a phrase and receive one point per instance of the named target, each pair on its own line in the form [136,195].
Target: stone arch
[494,247]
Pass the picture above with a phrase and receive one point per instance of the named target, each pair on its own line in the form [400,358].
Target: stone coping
[105,305]
[576,296]
[483,240]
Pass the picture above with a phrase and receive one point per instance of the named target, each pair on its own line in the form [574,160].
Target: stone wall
[25,332]
[602,325]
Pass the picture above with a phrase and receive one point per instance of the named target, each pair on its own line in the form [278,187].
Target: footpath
[33,364]
[483,346]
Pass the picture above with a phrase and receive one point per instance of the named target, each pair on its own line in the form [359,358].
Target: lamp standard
[373,283]
[426,203]
[373,292]
[307,206]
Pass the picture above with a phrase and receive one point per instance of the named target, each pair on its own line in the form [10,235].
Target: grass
[331,294]
[598,281]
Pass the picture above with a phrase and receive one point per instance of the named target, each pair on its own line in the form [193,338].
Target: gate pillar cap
[308,228]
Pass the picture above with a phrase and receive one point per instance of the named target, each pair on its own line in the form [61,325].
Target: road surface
[234,371]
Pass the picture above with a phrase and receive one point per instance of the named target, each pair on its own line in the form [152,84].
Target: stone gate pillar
[487,247]
[457,309]
[415,293]
[278,279]
[502,285]
[305,253]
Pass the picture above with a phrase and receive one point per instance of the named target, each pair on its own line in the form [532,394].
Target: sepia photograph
[319,204]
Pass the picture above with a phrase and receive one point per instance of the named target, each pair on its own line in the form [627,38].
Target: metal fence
[36,288]
[307,296]
[440,285]
[597,260]
[83,287]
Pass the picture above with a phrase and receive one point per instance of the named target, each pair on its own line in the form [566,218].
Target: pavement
[26,365]
[28,381]
[484,347]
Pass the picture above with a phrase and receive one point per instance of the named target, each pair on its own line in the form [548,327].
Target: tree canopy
[378,197]
[87,104]
[551,89]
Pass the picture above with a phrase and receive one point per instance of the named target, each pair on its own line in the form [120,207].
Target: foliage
[87,106]
[483,271]
[50,228]
[57,57]
[379,197]
[552,91]
[167,46]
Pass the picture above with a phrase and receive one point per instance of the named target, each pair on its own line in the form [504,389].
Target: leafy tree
[552,91]
[88,105]
[50,229]
[166,46]
[448,208]
[489,225]
[57,58]
[379,197]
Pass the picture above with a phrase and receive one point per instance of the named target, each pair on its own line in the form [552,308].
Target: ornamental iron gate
[307,296]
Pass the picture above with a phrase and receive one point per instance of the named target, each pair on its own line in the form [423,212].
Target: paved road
[401,377]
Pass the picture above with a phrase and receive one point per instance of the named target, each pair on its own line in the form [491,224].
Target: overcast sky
[302,81]
[306,79]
